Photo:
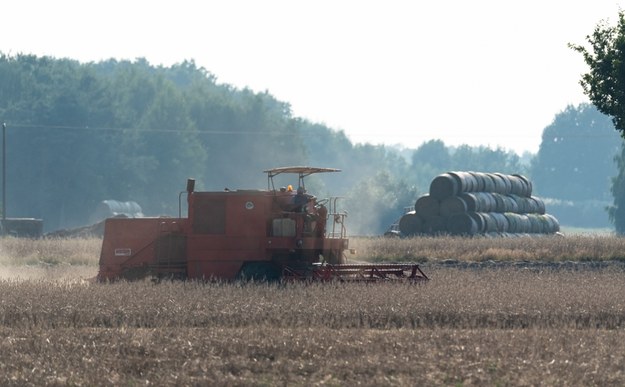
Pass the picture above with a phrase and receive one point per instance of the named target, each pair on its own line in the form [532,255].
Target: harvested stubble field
[511,326]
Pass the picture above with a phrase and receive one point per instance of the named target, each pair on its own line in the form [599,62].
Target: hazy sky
[397,72]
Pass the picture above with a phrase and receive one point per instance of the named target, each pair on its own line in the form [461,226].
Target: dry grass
[455,299]
[51,251]
[49,258]
[465,327]
[547,248]
[321,356]
[85,252]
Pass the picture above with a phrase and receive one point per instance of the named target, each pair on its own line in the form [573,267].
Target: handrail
[338,218]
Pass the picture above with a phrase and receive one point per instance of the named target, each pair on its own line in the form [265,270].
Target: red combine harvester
[273,234]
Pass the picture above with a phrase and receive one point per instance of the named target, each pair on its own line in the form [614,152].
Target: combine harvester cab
[268,234]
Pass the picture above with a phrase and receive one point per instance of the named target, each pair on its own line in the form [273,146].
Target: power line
[155,130]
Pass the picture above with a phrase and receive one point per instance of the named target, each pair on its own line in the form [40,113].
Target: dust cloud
[48,273]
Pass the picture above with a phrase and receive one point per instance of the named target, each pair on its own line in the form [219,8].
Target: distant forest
[79,133]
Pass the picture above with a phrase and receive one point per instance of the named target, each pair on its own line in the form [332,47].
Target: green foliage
[576,156]
[433,153]
[605,86]
[82,133]
[485,159]
[605,82]
[434,157]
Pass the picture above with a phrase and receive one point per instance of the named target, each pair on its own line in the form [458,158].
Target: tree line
[79,133]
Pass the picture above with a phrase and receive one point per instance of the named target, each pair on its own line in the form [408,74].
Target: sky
[481,72]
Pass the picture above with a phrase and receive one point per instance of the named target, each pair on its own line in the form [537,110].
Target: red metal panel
[210,215]
[246,222]
[247,214]
[199,243]
[131,242]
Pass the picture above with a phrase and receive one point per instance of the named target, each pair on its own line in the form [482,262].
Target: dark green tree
[484,159]
[574,165]
[127,130]
[434,154]
[576,156]
[434,157]
[52,150]
[605,82]
[605,86]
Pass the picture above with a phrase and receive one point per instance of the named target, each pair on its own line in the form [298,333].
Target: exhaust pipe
[190,185]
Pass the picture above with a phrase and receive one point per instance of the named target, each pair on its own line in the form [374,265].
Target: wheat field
[510,326]
[548,248]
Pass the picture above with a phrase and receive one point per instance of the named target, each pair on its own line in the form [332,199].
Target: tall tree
[576,156]
[605,86]
[486,159]
[605,82]
[127,130]
[433,153]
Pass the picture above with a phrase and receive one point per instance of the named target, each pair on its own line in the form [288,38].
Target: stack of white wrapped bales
[470,203]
